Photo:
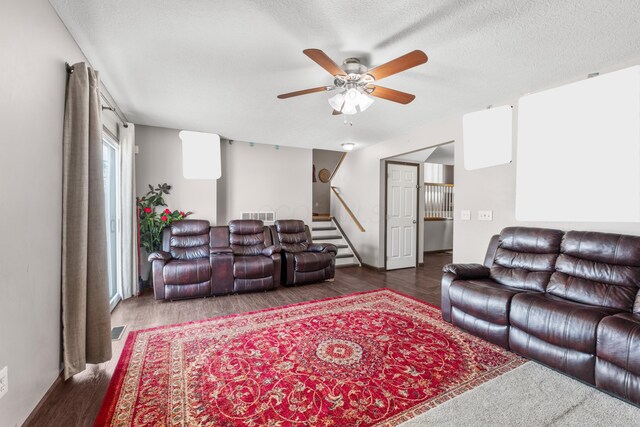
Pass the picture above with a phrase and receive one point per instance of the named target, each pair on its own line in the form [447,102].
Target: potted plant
[152,223]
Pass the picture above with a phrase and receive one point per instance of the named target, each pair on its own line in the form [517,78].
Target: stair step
[322,228]
[321,219]
[342,246]
[314,238]
[344,256]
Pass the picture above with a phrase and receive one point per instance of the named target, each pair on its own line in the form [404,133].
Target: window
[111,175]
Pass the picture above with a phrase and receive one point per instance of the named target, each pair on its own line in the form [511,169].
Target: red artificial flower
[182,214]
[167,211]
[147,210]
[163,217]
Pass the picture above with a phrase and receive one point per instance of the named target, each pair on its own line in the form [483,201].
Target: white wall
[360,179]
[159,160]
[265,178]
[34,45]
[490,188]
[494,189]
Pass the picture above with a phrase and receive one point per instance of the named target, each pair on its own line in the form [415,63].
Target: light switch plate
[485,215]
[465,215]
[4,381]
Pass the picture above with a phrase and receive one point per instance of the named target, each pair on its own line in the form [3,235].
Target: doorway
[401,206]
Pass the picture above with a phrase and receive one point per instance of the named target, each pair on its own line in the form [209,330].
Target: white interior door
[402,213]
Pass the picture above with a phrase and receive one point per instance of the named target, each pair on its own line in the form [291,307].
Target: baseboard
[59,379]
[439,251]
[371,267]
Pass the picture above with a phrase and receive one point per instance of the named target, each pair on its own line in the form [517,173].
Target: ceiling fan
[356,83]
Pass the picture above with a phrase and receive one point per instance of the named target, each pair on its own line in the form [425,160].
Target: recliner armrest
[323,247]
[270,250]
[160,256]
[467,271]
[220,250]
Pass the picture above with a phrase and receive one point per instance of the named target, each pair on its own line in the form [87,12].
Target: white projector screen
[487,137]
[200,155]
[578,156]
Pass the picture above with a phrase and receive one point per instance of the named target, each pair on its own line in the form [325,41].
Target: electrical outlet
[4,381]
[465,215]
[485,215]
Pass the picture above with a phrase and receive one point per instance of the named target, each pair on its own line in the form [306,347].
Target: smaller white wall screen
[579,151]
[487,137]
[200,155]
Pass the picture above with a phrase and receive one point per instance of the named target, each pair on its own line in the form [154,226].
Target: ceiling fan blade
[305,92]
[392,95]
[336,112]
[397,65]
[321,58]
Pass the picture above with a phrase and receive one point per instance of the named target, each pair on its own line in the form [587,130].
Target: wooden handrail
[344,204]
[338,165]
[437,184]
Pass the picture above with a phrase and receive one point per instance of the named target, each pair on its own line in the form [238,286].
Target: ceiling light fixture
[348,146]
[350,101]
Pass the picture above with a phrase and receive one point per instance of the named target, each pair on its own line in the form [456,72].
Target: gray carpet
[531,395]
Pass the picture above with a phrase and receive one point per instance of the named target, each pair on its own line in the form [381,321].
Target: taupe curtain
[86,322]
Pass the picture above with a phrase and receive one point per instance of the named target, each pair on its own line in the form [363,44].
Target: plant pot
[145,265]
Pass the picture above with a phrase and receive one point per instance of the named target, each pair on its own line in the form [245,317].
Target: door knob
[414,221]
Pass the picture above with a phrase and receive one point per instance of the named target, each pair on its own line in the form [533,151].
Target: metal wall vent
[266,217]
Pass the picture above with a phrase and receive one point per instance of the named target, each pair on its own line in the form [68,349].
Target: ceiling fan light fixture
[365,102]
[337,101]
[349,109]
[352,97]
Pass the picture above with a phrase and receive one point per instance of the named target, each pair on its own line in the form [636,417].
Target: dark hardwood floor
[76,402]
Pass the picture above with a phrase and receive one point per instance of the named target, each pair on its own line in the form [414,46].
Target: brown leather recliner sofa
[244,258]
[302,260]
[200,261]
[568,300]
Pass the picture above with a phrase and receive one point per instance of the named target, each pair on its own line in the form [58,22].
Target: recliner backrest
[292,235]
[187,239]
[600,269]
[248,236]
[526,257]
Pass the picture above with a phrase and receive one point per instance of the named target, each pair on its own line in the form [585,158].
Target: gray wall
[159,160]
[254,178]
[264,178]
[34,45]
[438,235]
[323,159]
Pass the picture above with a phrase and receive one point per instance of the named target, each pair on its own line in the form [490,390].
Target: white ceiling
[217,66]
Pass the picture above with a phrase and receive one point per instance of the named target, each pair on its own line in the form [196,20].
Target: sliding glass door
[111,174]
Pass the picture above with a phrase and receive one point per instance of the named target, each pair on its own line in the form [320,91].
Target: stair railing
[438,201]
[355,253]
[346,208]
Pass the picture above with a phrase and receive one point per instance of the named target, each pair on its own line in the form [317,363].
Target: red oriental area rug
[373,358]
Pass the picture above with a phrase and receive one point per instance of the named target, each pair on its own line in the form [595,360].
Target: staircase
[325,231]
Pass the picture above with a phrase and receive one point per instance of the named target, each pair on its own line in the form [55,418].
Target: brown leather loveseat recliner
[568,300]
[244,258]
[303,261]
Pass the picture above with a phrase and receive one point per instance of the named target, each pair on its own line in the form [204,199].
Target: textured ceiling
[217,66]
